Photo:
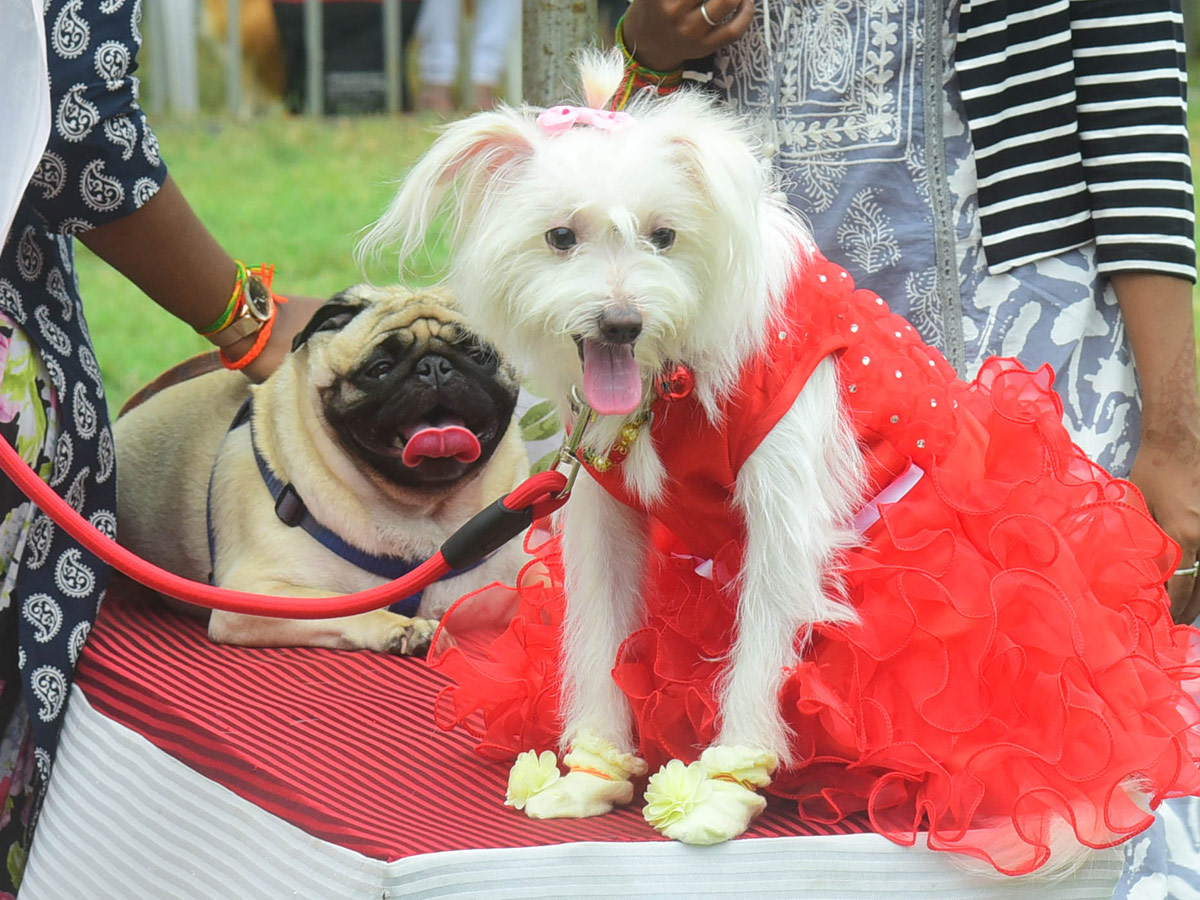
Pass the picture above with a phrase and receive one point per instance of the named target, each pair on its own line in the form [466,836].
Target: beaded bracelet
[638,77]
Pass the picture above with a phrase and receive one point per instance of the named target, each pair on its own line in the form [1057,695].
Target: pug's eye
[379,369]
[480,353]
[561,238]
[662,238]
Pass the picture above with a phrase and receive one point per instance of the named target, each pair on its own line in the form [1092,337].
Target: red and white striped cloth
[342,745]
[189,769]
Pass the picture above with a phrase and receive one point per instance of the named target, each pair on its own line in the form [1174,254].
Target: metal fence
[539,64]
[172,27]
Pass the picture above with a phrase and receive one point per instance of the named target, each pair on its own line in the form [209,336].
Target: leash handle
[509,516]
[532,498]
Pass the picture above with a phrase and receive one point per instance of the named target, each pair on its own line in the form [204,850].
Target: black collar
[292,511]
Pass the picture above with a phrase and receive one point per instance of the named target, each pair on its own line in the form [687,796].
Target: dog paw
[409,637]
[579,795]
[598,779]
[709,801]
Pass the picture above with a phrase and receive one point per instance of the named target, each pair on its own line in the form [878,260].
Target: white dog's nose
[620,324]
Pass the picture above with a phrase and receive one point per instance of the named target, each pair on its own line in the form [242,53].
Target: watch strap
[245,315]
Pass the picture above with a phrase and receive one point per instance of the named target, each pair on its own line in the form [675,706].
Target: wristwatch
[254,311]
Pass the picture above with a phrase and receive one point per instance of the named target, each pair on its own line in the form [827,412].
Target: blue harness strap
[292,511]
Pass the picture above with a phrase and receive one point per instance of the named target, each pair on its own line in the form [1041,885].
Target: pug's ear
[333,315]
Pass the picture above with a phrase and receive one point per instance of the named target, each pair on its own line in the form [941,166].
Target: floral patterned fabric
[29,422]
[862,106]
[100,163]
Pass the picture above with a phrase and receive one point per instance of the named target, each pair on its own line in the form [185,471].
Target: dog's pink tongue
[611,380]
[430,441]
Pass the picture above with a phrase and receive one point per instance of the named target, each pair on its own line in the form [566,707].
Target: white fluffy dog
[633,246]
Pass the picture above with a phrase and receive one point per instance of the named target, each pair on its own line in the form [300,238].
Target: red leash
[509,516]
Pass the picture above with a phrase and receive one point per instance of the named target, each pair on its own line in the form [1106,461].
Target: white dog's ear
[723,161]
[464,164]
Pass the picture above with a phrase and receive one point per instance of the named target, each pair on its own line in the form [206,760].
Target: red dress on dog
[1016,660]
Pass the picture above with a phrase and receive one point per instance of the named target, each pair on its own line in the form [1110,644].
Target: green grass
[292,191]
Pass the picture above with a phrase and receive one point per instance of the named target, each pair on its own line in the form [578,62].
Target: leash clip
[568,453]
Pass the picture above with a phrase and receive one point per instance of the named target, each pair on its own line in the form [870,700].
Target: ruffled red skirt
[1014,671]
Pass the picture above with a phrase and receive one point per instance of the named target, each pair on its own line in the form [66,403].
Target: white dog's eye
[561,238]
[662,238]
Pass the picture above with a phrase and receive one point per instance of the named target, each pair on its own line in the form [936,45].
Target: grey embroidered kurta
[861,104]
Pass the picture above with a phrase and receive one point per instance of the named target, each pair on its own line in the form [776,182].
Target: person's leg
[354,68]
[437,54]
[410,11]
[289,19]
[496,24]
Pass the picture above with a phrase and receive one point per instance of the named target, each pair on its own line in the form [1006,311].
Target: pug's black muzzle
[423,420]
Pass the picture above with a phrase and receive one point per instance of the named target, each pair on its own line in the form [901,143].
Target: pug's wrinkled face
[405,386]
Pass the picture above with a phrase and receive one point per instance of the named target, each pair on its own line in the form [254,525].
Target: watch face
[258,299]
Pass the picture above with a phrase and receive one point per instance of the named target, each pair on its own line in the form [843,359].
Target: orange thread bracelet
[264,335]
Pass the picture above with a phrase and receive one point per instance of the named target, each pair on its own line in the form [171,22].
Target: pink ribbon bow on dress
[558,119]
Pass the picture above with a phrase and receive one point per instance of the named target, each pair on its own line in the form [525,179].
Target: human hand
[290,318]
[1167,471]
[663,34]
[1157,311]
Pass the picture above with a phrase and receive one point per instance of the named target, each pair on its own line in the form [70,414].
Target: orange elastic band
[585,770]
[725,776]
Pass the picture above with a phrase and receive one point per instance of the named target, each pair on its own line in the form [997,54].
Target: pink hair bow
[558,119]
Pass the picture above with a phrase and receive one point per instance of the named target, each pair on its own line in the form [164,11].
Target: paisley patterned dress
[100,163]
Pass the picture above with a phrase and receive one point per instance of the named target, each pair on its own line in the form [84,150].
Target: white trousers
[437,39]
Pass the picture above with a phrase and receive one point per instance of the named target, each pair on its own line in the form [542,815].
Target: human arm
[166,251]
[663,34]
[1157,310]
[1131,86]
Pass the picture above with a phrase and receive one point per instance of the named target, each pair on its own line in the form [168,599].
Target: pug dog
[387,427]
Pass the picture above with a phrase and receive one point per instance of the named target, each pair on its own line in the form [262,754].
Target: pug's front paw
[408,637]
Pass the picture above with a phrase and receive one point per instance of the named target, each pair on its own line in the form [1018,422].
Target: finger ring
[1193,570]
[704,13]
